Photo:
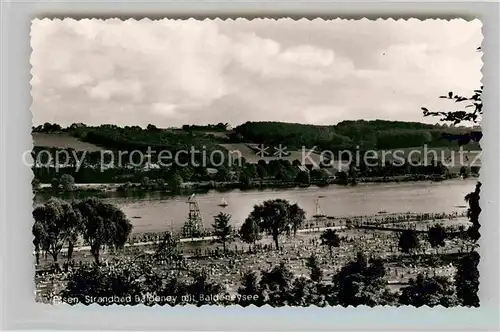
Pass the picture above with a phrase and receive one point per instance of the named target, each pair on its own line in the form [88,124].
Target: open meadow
[62,141]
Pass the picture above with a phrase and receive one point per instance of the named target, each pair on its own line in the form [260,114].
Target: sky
[174,72]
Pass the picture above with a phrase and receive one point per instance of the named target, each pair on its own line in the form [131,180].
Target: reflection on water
[154,211]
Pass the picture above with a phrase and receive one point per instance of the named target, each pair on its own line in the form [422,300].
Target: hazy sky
[173,72]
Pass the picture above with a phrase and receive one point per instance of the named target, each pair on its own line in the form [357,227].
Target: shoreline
[194,187]
[379,222]
[197,239]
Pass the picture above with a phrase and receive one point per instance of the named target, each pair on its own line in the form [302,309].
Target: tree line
[360,282]
[59,223]
[346,135]
[220,127]
[245,176]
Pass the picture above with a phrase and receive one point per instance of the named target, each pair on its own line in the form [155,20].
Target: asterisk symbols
[280,151]
[262,150]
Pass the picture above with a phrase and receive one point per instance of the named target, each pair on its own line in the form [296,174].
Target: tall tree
[473,212]
[467,276]
[39,238]
[249,289]
[430,291]
[408,241]
[342,178]
[223,174]
[145,182]
[223,231]
[261,170]
[297,217]
[245,180]
[316,273]
[276,285]
[472,112]
[151,127]
[436,236]
[168,250]
[250,170]
[306,292]
[203,289]
[103,224]
[331,239]
[74,231]
[276,217]
[87,282]
[467,280]
[303,177]
[175,182]
[54,222]
[67,182]
[360,282]
[353,174]
[250,231]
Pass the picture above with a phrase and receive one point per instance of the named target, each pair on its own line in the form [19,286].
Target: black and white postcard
[256,162]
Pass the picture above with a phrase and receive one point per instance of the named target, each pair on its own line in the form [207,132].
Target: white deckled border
[18,307]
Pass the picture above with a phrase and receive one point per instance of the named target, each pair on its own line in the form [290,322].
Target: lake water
[161,213]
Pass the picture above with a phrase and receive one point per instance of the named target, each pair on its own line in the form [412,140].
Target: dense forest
[210,127]
[377,134]
[196,145]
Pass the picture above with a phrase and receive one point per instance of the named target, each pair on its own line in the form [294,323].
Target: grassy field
[216,134]
[62,140]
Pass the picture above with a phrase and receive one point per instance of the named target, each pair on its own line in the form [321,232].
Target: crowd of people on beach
[339,221]
[229,265]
